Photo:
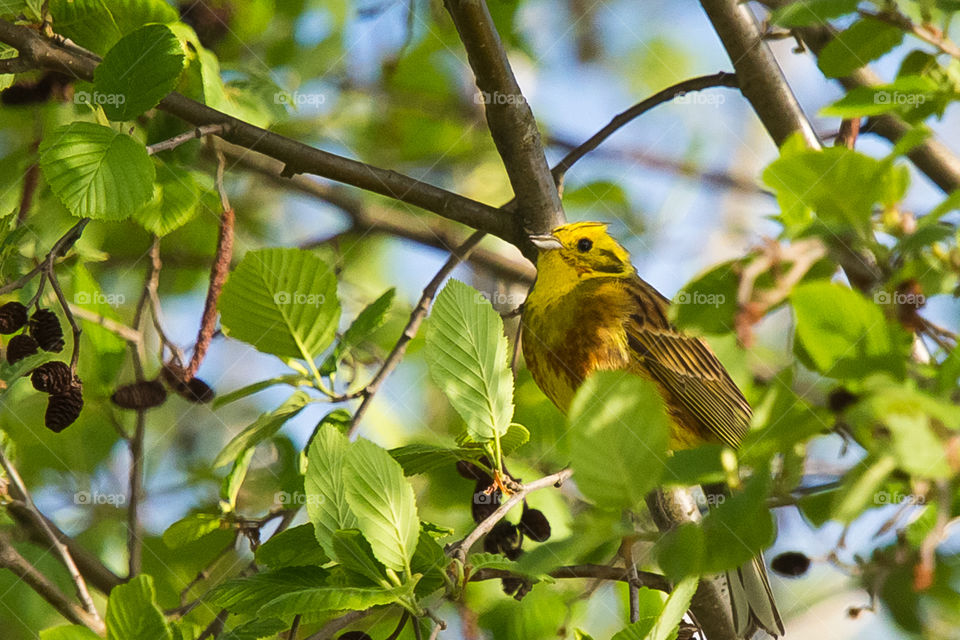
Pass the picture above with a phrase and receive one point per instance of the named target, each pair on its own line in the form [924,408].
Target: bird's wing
[685,366]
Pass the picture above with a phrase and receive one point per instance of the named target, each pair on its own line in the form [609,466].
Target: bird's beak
[546,242]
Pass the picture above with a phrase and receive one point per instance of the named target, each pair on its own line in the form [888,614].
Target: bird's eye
[584,245]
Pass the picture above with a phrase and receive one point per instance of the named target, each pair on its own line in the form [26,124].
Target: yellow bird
[590,311]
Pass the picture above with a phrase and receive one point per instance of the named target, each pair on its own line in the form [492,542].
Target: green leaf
[421,458]
[844,334]
[700,465]
[740,527]
[98,24]
[620,429]
[190,528]
[137,72]
[255,630]
[363,326]
[353,553]
[261,429]
[680,551]
[673,611]
[232,482]
[97,172]
[866,40]
[651,605]
[467,353]
[176,196]
[861,487]
[68,632]
[246,595]
[905,92]
[324,485]
[806,12]
[431,562]
[708,304]
[132,612]
[294,547]
[382,499]
[333,599]
[807,180]
[282,301]
[292,379]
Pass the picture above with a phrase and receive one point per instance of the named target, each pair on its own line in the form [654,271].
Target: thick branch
[761,80]
[511,122]
[297,157]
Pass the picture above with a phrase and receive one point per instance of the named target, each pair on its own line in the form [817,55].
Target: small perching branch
[219,270]
[413,325]
[761,79]
[720,79]
[185,137]
[511,122]
[462,548]
[59,248]
[586,572]
[90,617]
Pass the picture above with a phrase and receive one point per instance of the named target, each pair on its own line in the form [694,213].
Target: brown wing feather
[686,367]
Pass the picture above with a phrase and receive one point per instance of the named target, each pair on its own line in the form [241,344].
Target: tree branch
[931,157]
[462,548]
[511,122]
[296,156]
[761,80]
[585,572]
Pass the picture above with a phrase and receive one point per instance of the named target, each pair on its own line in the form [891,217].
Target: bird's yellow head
[577,251]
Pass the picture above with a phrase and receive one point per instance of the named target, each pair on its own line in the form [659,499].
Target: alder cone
[46,330]
[504,538]
[13,316]
[64,408]
[20,347]
[534,525]
[140,395]
[52,377]
[791,564]
[194,389]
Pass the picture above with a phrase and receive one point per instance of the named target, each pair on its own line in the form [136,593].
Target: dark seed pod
[140,395]
[511,585]
[504,538]
[20,347]
[52,377]
[484,503]
[198,391]
[13,316]
[471,471]
[534,525]
[840,398]
[354,635]
[63,408]
[45,329]
[791,564]
[194,390]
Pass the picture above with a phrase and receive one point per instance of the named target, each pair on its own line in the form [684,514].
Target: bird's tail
[752,600]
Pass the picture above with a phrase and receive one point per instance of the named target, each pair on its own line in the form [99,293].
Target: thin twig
[928,34]
[11,559]
[413,325]
[400,625]
[51,275]
[461,548]
[294,628]
[721,79]
[187,136]
[219,270]
[584,572]
[59,248]
[79,583]
[119,329]
[332,626]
